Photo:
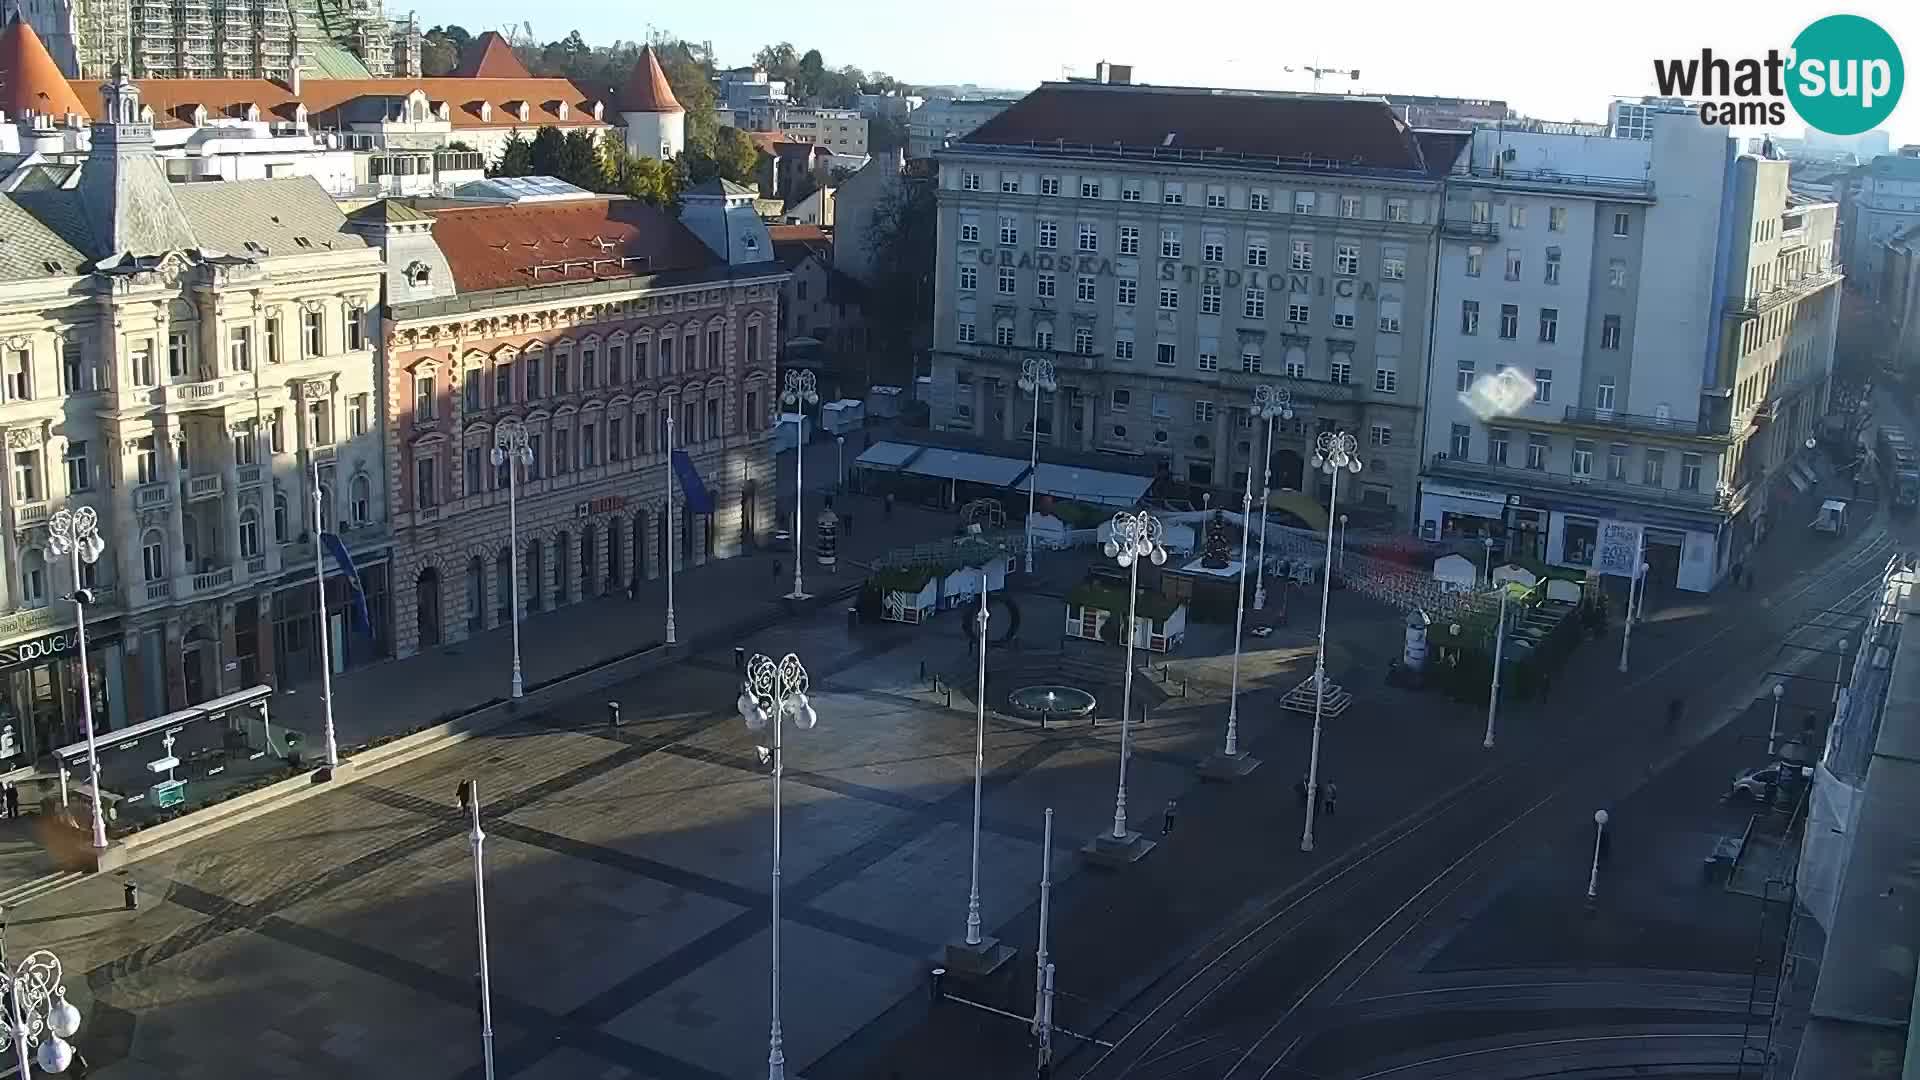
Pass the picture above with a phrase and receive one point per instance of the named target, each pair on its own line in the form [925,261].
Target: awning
[1090,485]
[966,468]
[886,456]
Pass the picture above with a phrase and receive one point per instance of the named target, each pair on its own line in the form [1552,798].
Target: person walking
[1300,790]
[1333,794]
[887,507]
[1168,817]
[12,797]
[776,569]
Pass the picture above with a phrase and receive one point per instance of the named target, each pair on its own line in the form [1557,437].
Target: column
[230,500]
[11,545]
[167,432]
[227,681]
[264,607]
[176,668]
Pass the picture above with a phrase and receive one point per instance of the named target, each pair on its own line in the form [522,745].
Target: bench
[1726,854]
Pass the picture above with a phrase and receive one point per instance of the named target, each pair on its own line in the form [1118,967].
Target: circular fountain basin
[1049,703]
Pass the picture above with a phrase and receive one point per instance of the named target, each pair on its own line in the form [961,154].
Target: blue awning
[691,486]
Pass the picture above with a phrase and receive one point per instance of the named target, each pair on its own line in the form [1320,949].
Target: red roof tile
[498,247]
[647,88]
[173,100]
[29,79]
[490,57]
[1355,131]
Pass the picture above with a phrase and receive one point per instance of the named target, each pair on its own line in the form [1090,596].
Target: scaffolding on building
[243,39]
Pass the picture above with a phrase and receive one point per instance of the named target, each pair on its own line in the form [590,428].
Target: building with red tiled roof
[655,121]
[490,57]
[585,323]
[30,82]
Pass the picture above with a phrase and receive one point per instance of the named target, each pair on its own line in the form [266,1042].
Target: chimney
[293,83]
[1118,74]
[1100,72]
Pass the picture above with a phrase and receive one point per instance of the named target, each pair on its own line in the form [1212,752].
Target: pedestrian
[1167,818]
[1300,789]
[776,569]
[1333,793]
[1738,569]
[12,800]
[887,506]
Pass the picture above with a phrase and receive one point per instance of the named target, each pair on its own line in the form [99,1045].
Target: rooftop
[1198,123]
[647,89]
[339,103]
[502,247]
[29,79]
[490,57]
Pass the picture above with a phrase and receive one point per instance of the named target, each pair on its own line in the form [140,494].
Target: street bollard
[739,658]
[132,895]
[934,984]
[613,714]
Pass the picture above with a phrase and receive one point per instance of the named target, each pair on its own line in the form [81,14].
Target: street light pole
[1232,762]
[772,695]
[1274,404]
[1499,645]
[1334,452]
[669,530]
[979,765]
[511,449]
[1840,672]
[839,462]
[1343,543]
[1773,726]
[469,793]
[36,1003]
[1136,535]
[1635,583]
[76,533]
[326,631]
[1488,542]
[1599,834]
[800,390]
[1036,374]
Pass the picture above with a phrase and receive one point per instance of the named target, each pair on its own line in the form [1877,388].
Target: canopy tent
[964,467]
[886,456]
[1456,572]
[1090,485]
[1302,506]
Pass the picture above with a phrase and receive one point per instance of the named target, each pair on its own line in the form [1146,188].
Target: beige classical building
[179,358]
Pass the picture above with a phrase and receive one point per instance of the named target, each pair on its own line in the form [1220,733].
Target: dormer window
[563,110]
[521,110]
[442,112]
[419,274]
[300,115]
[252,113]
[599,111]
[146,114]
[486,112]
[199,116]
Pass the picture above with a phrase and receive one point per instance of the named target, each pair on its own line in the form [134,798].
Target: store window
[1582,536]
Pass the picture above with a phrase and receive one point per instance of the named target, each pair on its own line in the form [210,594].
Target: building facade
[186,360]
[1632,338]
[592,355]
[1883,200]
[843,131]
[942,120]
[1166,283]
[238,39]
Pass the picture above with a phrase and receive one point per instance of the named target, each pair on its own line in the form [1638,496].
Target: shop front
[1679,554]
[1450,512]
[40,691]
[296,646]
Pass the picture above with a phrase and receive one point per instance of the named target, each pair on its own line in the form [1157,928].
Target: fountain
[1048,704]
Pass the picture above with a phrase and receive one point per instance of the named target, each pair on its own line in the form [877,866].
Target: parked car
[1759,783]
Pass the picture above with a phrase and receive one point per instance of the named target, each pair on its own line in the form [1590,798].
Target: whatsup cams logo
[1843,76]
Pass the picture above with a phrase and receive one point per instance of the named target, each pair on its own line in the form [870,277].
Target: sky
[1558,62]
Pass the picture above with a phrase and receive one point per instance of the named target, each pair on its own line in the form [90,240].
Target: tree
[899,304]
[580,162]
[516,157]
[1218,554]
[642,178]
[807,74]
[548,152]
[778,61]
[735,156]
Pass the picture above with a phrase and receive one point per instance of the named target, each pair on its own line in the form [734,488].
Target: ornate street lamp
[510,448]
[1036,375]
[1333,453]
[1136,536]
[76,533]
[799,391]
[38,1015]
[1269,404]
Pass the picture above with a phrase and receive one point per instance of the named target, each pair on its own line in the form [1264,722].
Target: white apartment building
[1883,200]
[1667,311]
[943,120]
[180,358]
[844,131]
[1171,249]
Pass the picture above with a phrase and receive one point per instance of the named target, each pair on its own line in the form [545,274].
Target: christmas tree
[1217,555]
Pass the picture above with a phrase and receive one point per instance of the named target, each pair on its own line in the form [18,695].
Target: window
[1257,251]
[1513,264]
[970,181]
[1617,273]
[282,519]
[469,390]
[1582,458]
[1556,219]
[1009,184]
[1463,376]
[1090,189]
[176,355]
[1214,250]
[1130,191]
[1346,259]
[1123,346]
[473,469]
[1049,233]
[1250,359]
[1340,369]
[312,334]
[1620,223]
[1169,299]
[1217,198]
[1543,386]
[153,556]
[1203,412]
[1610,331]
[590,368]
[1298,311]
[1482,212]
[320,423]
[969,231]
[1393,265]
[1537,448]
[1170,242]
[1009,231]
[1083,340]
[1397,210]
[1160,407]
[26,476]
[1390,321]
[1553,266]
[1043,337]
[1296,367]
[1303,202]
[1497,441]
[273,339]
[425,492]
[79,468]
[1689,472]
[1086,237]
[1549,325]
[1209,359]
[1125,290]
[1654,469]
[360,498]
[563,449]
[1386,380]
[1259,199]
[1121,400]
[1603,397]
[1003,334]
[1255,304]
[1209,299]
[1349,206]
[1475,257]
[1043,286]
[1049,185]
[1302,254]
[240,349]
[1617,463]
[356,329]
[1166,354]
[1173,194]
[358,409]
[1343,314]
[146,460]
[1380,435]
[249,533]
[1469,318]
[1517,216]
[76,375]
[1007,279]
[1460,446]
[423,397]
[615,449]
[1084,289]
[1129,239]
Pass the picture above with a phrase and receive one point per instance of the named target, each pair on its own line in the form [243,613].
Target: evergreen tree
[1219,554]
[548,156]
[516,157]
[580,161]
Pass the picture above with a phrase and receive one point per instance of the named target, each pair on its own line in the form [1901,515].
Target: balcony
[213,579]
[257,566]
[148,496]
[324,454]
[251,475]
[1612,420]
[1301,389]
[159,590]
[31,513]
[1455,229]
[203,487]
[1551,181]
[202,394]
[1697,501]
[1780,294]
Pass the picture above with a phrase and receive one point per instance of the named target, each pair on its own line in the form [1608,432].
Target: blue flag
[699,500]
[362,619]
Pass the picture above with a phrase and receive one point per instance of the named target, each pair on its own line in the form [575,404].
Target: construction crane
[1320,72]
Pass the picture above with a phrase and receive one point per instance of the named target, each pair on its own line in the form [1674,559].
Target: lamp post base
[1226,767]
[1111,851]
[797,595]
[975,961]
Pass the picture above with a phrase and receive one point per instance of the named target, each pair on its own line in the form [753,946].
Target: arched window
[362,499]
[189,529]
[249,533]
[33,578]
[282,520]
[153,555]
[327,517]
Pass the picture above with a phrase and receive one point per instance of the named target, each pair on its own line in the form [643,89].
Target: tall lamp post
[1343,543]
[978,955]
[469,795]
[1636,583]
[76,533]
[1599,837]
[511,449]
[1036,375]
[839,462]
[1499,649]
[1270,404]
[1333,453]
[326,631]
[669,530]
[1773,726]
[1230,761]
[773,695]
[1137,535]
[799,391]
[37,1006]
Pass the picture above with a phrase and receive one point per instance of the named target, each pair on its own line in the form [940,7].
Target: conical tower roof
[647,88]
[29,79]
[490,57]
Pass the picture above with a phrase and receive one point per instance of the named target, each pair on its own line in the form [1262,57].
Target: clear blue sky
[1551,61]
